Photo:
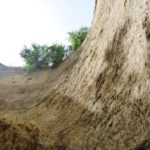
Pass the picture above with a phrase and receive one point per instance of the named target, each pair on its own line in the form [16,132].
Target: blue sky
[23,22]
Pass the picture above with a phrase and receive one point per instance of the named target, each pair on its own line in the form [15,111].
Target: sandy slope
[20,93]
[21,90]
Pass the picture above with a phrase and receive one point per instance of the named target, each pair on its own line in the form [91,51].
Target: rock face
[104,101]
[101,99]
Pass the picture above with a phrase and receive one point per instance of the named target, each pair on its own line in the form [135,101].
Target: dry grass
[16,135]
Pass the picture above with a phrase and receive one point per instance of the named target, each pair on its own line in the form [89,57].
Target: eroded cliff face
[116,52]
[110,83]
[103,101]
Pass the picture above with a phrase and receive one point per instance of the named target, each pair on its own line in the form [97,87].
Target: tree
[76,38]
[36,57]
[57,54]
[41,56]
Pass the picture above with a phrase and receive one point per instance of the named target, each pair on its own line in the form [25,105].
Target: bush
[42,56]
[57,54]
[36,57]
[76,38]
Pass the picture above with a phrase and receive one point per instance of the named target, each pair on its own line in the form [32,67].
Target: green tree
[42,56]
[76,38]
[57,54]
[36,57]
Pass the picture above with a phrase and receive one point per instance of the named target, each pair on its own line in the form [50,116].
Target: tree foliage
[41,56]
[76,38]
[56,54]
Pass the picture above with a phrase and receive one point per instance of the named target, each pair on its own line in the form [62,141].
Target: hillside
[21,90]
[99,98]
[2,67]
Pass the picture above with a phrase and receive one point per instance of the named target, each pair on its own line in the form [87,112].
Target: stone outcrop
[107,93]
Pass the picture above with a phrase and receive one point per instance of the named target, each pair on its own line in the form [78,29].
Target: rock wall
[110,83]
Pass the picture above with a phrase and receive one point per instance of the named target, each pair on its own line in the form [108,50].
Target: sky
[23,22]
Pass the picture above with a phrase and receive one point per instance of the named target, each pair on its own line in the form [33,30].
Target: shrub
[42,56]
[76,38]
[57,54]
[36,57]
